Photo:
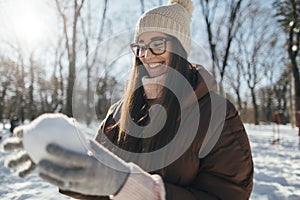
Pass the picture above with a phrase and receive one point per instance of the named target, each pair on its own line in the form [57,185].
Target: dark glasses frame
[147,46]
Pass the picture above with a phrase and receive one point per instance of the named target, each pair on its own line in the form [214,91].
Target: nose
[148,53]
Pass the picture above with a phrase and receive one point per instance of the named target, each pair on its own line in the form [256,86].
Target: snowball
[52,128]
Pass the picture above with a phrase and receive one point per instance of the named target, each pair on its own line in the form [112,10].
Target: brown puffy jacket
[218,164]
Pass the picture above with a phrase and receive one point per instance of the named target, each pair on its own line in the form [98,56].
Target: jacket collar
[206,83]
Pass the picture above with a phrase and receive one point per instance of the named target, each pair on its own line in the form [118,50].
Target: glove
[15,143]
[65,158]
[91,170]
[83,173]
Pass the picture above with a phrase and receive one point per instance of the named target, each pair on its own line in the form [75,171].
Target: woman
[211,156]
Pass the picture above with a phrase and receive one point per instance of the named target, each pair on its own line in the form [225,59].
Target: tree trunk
[294,40]
[296,83]
[71,49]
[255,107]
[31,109]
[220,49]
[2,99]
[142,6]
[239,101]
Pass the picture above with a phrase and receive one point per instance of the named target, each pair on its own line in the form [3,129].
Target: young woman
[174,137]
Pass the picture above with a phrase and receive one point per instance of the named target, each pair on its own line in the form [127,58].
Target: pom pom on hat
[187,4]
[173,19]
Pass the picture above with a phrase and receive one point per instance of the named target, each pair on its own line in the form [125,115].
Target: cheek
[167,58]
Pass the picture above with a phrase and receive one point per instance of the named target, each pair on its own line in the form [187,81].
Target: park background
[73,56]
[49,48]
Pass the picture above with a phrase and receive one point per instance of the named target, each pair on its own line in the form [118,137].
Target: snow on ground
[276,169]
[276,166]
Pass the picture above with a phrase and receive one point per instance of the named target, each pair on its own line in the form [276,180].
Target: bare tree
[235,79]
[57,76]
[70,43]
[281,93]
[7,67]
[253,49]
[30,107]
[91,56]
[19,82]
[221,19]
[288,15]
[274,67]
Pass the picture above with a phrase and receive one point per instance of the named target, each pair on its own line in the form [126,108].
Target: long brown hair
[137,105]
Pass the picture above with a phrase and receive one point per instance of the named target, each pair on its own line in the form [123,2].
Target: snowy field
[276,166]
[277,169]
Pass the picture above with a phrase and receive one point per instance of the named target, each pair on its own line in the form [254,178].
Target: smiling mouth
[155,65]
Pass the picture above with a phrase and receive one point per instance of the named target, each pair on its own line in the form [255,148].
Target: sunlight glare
[27,22]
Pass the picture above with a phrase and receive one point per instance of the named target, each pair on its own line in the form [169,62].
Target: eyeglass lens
[157,47]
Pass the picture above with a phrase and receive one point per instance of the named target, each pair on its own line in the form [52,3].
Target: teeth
[153,65]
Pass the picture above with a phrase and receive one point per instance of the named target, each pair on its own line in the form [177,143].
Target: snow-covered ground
[277,169]
[276,166]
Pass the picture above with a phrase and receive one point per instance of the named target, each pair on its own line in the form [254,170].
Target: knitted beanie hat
[173,19]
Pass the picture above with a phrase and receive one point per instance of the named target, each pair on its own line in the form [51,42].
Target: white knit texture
[153,87]
[187,4]
[141,185]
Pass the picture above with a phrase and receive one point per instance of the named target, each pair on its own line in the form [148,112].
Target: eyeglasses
[156,46]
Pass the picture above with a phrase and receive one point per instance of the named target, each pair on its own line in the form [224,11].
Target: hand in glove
[15,143]
[65,158]
[84,173]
